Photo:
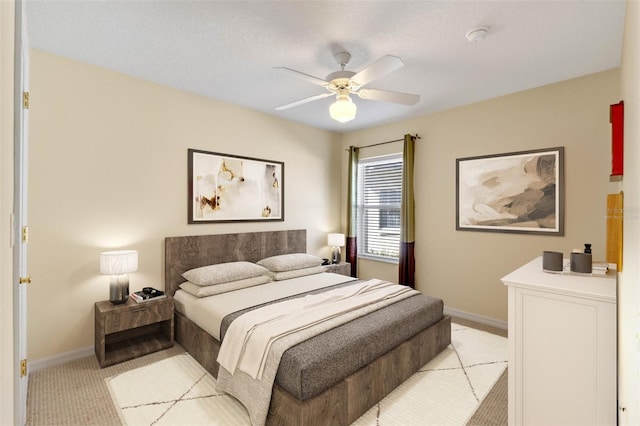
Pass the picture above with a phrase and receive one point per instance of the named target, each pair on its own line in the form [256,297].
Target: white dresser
[562,347]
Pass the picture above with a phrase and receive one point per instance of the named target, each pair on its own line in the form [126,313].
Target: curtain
[352,199]
[406,262]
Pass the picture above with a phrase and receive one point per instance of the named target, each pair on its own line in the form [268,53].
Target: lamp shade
[335,240]
[118,262]
[343,109]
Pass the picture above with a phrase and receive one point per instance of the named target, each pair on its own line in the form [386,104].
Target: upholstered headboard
[184,253]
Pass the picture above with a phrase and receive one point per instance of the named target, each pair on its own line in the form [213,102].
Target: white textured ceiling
[227,49]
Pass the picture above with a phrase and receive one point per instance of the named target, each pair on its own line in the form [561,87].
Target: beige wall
[108,170]
[7,368]
[464,268]
[628,292]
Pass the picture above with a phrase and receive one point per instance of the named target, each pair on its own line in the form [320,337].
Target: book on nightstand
[148,294]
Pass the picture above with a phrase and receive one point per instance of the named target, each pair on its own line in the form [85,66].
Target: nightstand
[343,268]
[132,329]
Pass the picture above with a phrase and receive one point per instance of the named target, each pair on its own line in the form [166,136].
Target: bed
[340,403]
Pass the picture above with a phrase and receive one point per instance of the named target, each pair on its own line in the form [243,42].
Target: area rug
[446,391]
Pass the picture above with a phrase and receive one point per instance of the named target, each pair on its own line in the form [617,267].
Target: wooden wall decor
[616,118]
[615,210]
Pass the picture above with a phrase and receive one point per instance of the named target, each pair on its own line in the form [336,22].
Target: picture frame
[516,192]
[232,188]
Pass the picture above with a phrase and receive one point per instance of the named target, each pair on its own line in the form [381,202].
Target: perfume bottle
[587,248]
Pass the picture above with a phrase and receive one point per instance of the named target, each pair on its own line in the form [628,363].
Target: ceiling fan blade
[383,95]
[303,76]
[303,101]
[379,68]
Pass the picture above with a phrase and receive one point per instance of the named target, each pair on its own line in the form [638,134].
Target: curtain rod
[384,143]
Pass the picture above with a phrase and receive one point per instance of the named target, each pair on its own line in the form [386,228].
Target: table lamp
[118,264]
[336,241]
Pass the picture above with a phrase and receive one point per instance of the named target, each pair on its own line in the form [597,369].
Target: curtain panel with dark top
[406,262]
[352,197]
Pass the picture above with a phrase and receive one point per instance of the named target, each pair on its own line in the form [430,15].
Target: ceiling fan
[343,83]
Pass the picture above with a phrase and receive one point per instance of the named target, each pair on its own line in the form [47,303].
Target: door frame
[20,275]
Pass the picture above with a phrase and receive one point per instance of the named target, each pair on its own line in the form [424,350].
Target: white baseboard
[475,317]
[55,360]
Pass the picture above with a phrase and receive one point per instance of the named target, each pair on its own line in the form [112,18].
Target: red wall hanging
[616,118]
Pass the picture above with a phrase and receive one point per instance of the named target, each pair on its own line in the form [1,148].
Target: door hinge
[23,367]
[25,280]
[25,100]
[25,234]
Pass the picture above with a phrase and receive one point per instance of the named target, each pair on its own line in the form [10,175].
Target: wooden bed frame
[341,404]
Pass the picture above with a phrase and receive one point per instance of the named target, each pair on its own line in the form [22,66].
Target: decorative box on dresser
[562,347]
[343,268]
[132,329]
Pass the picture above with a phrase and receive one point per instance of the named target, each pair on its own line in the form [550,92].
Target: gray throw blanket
[255,394]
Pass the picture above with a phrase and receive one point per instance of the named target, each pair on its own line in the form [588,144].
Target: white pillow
[289,262]
[210,290]
[223,272]
[285,275]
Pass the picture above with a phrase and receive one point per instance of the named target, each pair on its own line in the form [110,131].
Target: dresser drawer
[138,316]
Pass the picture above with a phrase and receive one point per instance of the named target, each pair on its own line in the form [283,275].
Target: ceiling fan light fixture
[343,109]
[344,83]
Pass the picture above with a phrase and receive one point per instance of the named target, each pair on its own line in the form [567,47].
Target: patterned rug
[446,391]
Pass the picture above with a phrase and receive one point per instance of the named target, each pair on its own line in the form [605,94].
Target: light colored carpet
[75,393]
[446,391]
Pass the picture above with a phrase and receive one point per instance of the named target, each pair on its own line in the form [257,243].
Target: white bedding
[208,312]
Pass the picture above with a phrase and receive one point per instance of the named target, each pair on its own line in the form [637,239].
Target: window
[378,209]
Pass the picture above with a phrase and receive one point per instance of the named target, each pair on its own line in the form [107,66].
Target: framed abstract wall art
[230,188]
[519,192]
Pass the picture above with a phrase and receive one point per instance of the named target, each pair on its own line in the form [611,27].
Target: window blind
[379,198]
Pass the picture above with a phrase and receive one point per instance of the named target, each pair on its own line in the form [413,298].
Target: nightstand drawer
[138,316]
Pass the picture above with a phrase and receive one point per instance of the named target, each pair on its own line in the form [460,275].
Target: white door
[21,276]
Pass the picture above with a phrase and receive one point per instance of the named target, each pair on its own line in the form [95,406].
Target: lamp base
[119,289]
[335,255]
